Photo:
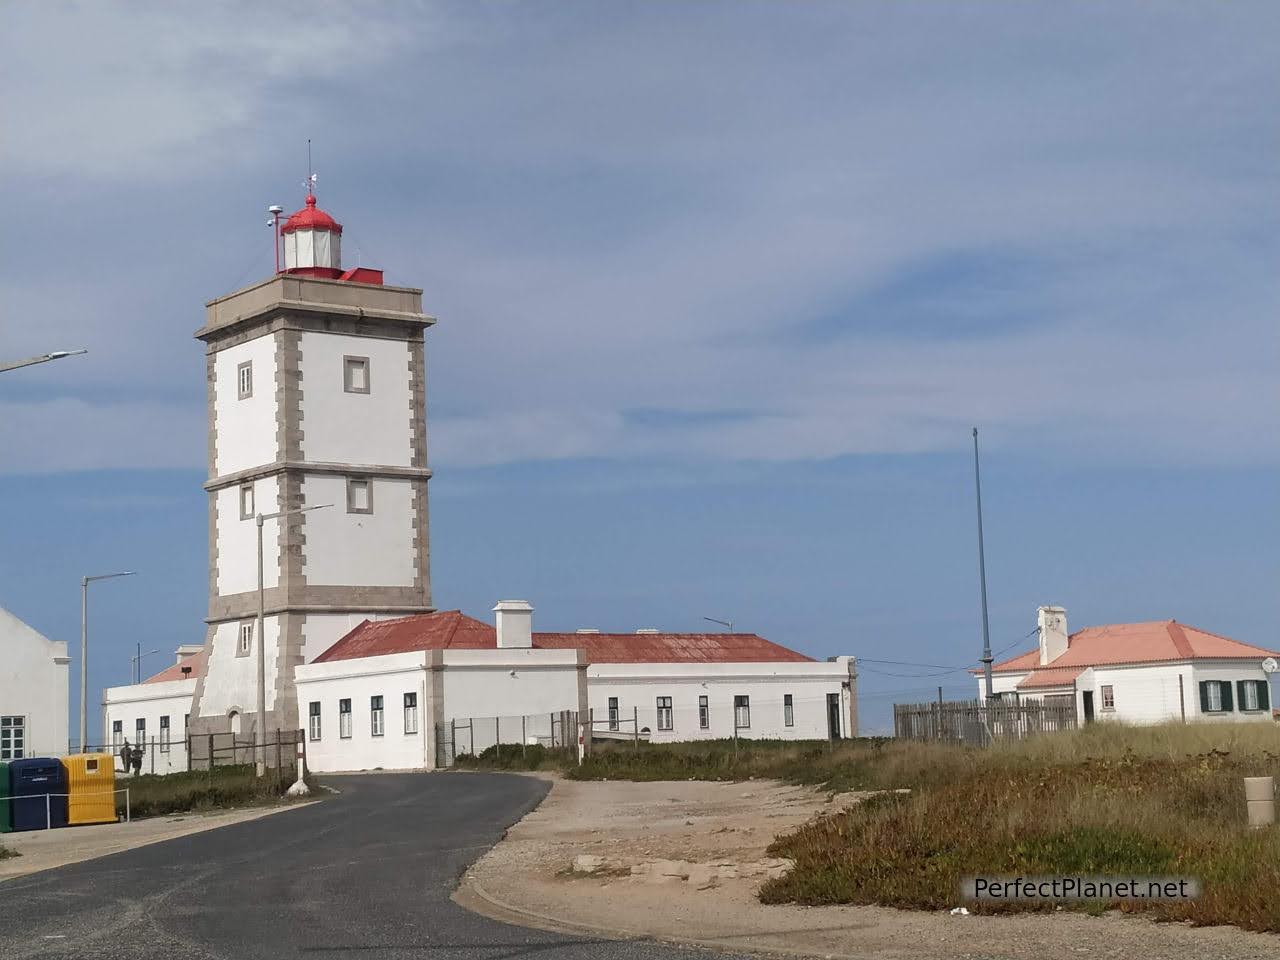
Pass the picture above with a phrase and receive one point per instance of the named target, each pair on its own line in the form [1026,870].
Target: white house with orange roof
[1142,673]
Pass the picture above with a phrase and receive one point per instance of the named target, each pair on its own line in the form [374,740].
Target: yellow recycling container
[91,784]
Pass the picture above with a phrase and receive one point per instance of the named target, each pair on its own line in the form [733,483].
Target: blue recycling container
[30,780]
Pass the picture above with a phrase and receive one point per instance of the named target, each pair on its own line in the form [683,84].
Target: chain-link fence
[472,736]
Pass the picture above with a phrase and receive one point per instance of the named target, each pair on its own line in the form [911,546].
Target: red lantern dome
[313,243]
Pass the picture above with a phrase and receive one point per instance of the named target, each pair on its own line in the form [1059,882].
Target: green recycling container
[6,807]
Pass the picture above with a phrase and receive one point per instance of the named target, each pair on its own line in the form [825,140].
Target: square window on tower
[355,374]
[359,496]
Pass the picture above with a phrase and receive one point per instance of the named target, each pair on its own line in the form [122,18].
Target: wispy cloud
[797,231]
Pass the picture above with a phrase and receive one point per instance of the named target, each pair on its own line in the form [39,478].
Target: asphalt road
[364,874]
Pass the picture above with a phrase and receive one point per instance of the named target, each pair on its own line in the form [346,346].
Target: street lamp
[43,358]
[260,738]
[84,638]
[723,623]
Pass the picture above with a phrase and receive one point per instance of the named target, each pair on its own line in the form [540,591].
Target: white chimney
[1052,622]
[188,650]
[514,620]
[648,630]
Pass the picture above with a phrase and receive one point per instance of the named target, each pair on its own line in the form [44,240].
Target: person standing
[126,757]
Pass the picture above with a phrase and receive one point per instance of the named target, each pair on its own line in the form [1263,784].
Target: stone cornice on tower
[296,302]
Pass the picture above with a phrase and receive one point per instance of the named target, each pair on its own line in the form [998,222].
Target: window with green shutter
[1215,696]
[1252,695]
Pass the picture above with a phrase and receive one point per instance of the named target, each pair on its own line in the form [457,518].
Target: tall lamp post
[43,358]
[982,574]
[84,639]
[260,737]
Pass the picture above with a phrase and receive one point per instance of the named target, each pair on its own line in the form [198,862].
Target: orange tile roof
[1154,641]
[195,661]
[1050,678]
[454,630]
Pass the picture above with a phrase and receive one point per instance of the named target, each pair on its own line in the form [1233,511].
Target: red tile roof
[1151,642]
[1050,678]
[195,661]
[454,630]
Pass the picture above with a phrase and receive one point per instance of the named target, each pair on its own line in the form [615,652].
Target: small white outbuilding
[35,673]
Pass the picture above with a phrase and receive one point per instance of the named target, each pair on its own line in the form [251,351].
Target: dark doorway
[1088,706]
[833,716]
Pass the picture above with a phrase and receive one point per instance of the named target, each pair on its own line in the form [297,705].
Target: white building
[156,713]
[383,694]
[316,397]
[317,403]
[34,677]
[1139,672]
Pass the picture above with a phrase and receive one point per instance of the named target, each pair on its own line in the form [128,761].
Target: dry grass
[1105,800]
[219,789]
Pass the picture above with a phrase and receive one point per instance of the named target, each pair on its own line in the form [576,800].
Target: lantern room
[312,242]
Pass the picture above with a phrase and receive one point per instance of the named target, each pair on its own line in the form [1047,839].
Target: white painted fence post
[299,788]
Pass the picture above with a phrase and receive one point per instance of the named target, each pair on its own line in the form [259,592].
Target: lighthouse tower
[316,395]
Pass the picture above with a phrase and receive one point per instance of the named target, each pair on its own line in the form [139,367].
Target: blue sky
[721,288]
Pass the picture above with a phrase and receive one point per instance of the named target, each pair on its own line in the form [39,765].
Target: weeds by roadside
[221,788]
[1104,800]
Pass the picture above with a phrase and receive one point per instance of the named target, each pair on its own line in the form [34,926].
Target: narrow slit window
[704,713]
[164,734]
[375,716]
[410,713]
[613,713]
[245,644]
[244,380]
[313,719]
[788,711]
[246,501]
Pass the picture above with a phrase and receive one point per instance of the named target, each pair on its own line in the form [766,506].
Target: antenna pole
[308,166]
[982,573]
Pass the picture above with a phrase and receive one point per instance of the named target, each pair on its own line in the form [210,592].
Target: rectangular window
[164,734]
[664,713]
[186,723]
[246,501]
[742,712]
[313,720]
[1215,696]
[788,711]
[117,733]
[1254,695]
[244,380]
[245,644]
[140,731]
[375,716]
[13,738]
[1108,697]
[359,496]
[613,713]
[410,713]
[704,713]
[355,374]
[344,719]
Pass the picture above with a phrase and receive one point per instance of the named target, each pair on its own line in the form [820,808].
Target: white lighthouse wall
[371,428]
[359,549]
[246,429]
[320,631]
[238,539]
[231,681]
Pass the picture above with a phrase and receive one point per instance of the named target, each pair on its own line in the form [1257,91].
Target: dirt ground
[682,861]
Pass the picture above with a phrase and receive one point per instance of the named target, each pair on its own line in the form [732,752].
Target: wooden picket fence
[976,723]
